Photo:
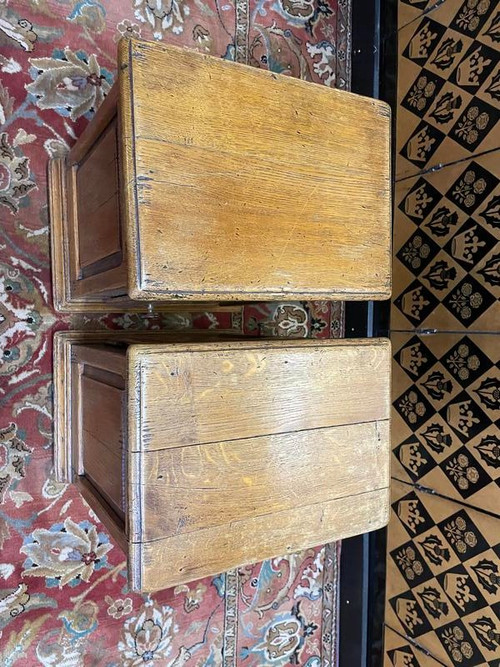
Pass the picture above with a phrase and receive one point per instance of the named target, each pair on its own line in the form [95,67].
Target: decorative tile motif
[448,84]
[446,390]
[447,251]
[442,585]
[401,653]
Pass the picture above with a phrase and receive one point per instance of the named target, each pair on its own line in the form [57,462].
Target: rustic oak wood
[72,294]
[65,342]
[98,204]
[188,489]
[184,558]
[205,455]
[258,388]
[202,180]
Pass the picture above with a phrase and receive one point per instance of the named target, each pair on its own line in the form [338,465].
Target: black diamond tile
[448,53]
[494,29]
[415,358]
[417,252]
[434,602]
[435,550]
[414,458]
[466,361]
[422,144]
[422,93]
[493,88]
[410,614]
[474,124]
[464,472]
[486,630]
[413,407]
[472,187]
[440,275]
[487,571]
[463,536]
[411,564]
[420,201]
[489,450]
[488,393]
[423,40]
[465,417]
[490,271]
[442,221]
[404,654]
[474,68]
[459,645]
[468,300]
[459,586]
[491,213]
[471,16]
[416,302]
[436,437]
[470,244]
[412,514]
[437,385]
[446,107]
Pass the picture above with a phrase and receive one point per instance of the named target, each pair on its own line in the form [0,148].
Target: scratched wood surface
[235,446]
[258,186]
[182,558]
[246,389]
[187,489]
[203,455]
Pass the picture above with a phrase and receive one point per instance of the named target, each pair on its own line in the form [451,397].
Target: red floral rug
[63,594]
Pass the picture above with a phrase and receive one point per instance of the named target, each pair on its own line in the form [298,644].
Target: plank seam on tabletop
[266,435]
[237,520]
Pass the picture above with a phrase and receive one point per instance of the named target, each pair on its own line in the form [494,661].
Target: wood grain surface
[98,202]
[258,184]
[175,560]
[200,456]
[71,292]
[187,396]
[243,450]
[191,488]
[102,426]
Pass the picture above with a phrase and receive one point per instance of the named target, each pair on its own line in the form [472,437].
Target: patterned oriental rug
[63,594]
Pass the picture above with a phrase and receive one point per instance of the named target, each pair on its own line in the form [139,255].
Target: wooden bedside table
[204,456]
[202,180]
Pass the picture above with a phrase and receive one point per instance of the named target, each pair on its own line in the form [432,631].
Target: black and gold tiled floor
[443,556]
[443,580]
[447,255]
[448,85]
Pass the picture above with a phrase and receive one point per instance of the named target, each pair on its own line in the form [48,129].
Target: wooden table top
[222,162]
[238,451]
